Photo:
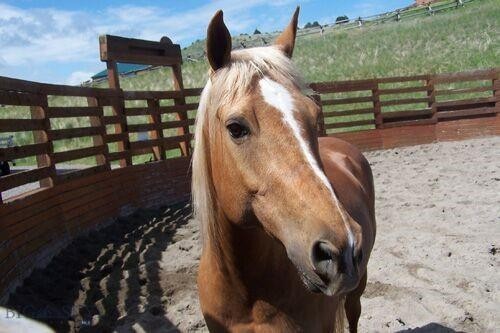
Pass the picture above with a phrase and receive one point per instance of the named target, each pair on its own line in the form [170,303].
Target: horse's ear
[286,41]
[218,42]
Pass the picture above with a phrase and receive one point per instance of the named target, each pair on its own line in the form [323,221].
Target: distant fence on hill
[372,114]
[397,15]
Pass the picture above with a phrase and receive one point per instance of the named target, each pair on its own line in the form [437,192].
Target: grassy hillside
[457,40]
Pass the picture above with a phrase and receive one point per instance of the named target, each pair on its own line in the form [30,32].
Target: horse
[287,218]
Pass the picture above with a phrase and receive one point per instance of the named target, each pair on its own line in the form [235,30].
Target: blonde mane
[223,87]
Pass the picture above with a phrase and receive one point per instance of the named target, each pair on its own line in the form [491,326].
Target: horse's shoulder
[339,154]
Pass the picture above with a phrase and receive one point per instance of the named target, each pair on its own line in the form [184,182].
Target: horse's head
[256,160]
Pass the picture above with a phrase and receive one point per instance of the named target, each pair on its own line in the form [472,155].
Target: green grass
[451,41]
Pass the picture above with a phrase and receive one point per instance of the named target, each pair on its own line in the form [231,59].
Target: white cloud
[78,77]
[52,37]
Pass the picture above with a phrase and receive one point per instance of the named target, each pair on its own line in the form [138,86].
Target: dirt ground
[434,268]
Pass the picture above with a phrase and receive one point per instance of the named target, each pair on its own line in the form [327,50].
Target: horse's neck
[250,262]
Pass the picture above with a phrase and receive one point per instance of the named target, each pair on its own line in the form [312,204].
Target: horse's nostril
[322,251]
[324,259]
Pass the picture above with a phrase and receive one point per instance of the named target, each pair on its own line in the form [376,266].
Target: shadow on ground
[103,280]
[430,328]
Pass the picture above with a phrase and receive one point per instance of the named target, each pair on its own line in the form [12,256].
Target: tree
[256,32]
[342,19]
[315,24]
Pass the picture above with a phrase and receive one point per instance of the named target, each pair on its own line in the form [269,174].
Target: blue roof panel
[122,69]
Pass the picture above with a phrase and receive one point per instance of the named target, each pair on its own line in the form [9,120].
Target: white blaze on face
[278,97]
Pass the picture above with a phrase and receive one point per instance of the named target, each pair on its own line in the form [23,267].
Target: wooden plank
[477,75]
[60,134]
[38,90]
[348,112]
[432,98]
[351,100]
[85,111]
[178,138]
[81,173]
[119,155]
[157,133]
[192,91]
[364,140]
[404,90]
[33,211]
[462,129]
[397,79]
[414,122]
[16,152]
[137,111]
[78,153]
[463,90]
[136,145]
[23,177]
[342,86]
[137,51]
[141,128]
[145,95]
[405,101]
[181,115]
[176,123]
[178,108]
[377,109]
[110,138]
[350,123]
[466,102]
[467,113]
[21,125]
[118,110]
[44,160]
[20,99]
[406,113]
[111,120]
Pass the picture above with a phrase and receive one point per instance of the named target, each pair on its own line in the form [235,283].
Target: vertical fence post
[377,109]
[181,115]
[321,118]
[119,110]
[431,94]
[157,133]
[47,159]
[98,140]
[496,90]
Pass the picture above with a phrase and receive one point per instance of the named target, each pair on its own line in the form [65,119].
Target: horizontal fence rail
[84,154]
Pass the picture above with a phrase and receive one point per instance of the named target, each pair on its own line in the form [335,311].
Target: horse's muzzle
[337,270]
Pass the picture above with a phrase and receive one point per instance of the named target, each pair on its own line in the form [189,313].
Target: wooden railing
[347,106]
[45,205]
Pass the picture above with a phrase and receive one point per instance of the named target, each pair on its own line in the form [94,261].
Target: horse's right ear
[218,42]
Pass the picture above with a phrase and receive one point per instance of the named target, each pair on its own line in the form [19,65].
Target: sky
[57,41]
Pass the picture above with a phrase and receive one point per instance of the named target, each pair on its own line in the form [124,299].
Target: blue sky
[57,41]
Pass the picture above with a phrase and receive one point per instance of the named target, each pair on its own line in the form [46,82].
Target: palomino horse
[288,220]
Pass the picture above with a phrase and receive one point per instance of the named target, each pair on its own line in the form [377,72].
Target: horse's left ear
[218,42]
[286,41]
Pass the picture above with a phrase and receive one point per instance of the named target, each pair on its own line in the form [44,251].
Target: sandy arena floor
[434,267]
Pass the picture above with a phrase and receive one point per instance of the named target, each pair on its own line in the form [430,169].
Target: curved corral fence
[88,155]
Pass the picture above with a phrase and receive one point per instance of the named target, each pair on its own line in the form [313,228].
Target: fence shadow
[106,280]
[430,328]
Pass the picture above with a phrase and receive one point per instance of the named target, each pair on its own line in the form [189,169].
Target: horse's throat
[250,260]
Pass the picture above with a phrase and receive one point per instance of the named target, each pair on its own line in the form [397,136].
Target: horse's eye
[237,130]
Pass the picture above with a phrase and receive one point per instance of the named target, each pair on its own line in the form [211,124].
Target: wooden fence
[373,114]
